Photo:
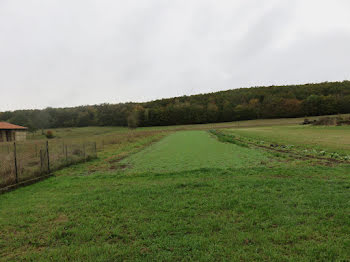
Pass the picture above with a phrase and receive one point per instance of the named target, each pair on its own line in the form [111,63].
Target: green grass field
[333,138]
[191,150]
[187,197]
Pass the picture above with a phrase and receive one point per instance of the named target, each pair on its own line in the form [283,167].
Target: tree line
[224,106]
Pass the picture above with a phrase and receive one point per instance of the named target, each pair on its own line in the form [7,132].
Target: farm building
[10,132]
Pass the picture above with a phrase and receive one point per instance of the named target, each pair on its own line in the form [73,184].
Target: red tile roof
[4,125]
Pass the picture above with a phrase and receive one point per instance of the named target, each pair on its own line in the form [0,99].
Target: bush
[326,121]
[49,134]
[306,122]
[332,121]
[133,120]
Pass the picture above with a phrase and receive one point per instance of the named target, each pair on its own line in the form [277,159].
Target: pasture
[331,138]
[184,195]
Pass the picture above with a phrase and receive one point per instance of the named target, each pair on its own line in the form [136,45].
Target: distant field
[334,138]
[78,132]
[241,124]
[90,132]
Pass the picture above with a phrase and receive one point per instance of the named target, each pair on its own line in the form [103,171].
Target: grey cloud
[66,53]
[266,30]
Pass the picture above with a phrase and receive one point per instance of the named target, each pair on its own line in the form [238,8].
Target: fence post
[15,155]
[41,161]
[95,147]
[84,153]
[48,156]
[66,153]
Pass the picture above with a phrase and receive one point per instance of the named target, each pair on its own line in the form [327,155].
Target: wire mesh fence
[24,161]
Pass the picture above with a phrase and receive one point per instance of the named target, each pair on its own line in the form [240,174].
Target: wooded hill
[237,104]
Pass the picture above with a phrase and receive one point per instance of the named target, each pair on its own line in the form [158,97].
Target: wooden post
[16,167]
[84,154]
[41,161]
[66,153]
[48,156]
[95,147]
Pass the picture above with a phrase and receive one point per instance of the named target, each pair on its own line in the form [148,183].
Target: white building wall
[2,136]
[20,135]
[15,135]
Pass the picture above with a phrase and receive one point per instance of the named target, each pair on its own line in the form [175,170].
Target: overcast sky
[75,52]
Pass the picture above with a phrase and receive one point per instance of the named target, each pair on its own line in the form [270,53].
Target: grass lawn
[186,197]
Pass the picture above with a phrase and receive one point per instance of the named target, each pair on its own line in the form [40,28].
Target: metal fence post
[48,156]
[16,167]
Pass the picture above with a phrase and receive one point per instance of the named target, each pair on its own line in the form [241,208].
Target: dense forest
[237,104]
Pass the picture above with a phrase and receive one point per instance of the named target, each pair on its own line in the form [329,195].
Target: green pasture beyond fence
[20,162]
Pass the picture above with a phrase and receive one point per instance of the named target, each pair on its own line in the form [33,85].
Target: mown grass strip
[189,150]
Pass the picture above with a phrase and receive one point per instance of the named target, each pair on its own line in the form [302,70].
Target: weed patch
[227,138]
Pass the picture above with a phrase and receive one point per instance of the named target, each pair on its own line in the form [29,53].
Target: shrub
[332,121]
[306,122]
[133,120]
[326,121]
[49,134]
